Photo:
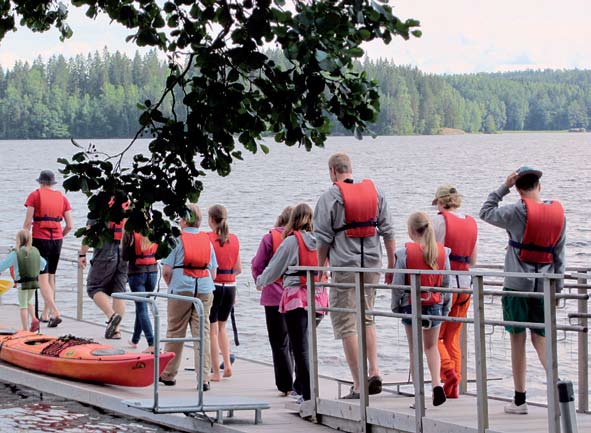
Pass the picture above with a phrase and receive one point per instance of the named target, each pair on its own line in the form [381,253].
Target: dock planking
[256,380]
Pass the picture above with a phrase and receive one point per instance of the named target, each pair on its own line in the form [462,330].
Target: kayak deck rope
[64,342]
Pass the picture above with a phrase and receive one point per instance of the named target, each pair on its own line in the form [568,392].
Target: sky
[459,36]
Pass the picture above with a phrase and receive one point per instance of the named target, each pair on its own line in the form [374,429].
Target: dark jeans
[145,282]
[279,340]
[297,329]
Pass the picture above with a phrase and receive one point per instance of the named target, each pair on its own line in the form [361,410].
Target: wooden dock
[388,412]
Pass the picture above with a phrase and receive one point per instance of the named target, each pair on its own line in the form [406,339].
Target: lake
[408,169]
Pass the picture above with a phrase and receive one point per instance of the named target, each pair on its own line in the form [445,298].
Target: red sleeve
[33,199]
[67,206]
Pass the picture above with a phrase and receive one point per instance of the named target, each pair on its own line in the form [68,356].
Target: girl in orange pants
[449,346]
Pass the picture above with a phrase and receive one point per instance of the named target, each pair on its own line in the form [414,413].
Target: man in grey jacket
[334,243]
[539,249]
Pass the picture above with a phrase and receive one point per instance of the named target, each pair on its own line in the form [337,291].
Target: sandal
[374,385]
[54,321]
[115,336]
[353,395]
[112,324]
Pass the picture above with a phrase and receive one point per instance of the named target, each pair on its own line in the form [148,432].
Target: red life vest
[143,257]
[117,228]
[226,256]
[415,260]
[543,227]
[306,257]
[51,209]
[197,251]
[361,208]
[276,238]
[460,237]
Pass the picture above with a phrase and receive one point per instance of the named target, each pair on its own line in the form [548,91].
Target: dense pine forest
[97,96]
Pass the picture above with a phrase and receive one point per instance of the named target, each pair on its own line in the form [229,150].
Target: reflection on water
[25,410]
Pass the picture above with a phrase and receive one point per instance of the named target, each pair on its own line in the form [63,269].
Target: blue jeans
[145,282]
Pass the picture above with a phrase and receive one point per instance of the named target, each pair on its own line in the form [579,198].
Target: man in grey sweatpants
[539,249]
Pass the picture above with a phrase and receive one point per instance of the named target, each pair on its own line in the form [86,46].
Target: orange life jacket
[51,209]
[543,227]
[117,228]
[415,260]
[460,237]
[143,257]
[276,238]
[226,256]
[361,208]
[13,276]
[306,257]
[197,250]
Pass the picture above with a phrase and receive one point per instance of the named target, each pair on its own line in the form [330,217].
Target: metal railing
[550,327]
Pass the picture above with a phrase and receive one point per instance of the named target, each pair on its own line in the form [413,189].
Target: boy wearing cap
[46,209]
[536,230]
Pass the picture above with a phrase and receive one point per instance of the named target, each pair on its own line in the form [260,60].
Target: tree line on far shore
[97,96]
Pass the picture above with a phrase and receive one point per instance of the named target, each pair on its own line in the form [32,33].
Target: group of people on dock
[343,230]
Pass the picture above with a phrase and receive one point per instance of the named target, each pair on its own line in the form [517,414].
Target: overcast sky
[459,36]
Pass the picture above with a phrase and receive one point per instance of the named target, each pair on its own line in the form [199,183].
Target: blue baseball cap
[525,170]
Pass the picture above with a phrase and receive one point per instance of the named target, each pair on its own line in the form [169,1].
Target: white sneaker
[516,410]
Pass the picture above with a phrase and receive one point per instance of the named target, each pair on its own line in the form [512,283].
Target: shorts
[25,297]
[50,250]
[107,276]
[345,324]
[223,302]
[431,310]
[523,310]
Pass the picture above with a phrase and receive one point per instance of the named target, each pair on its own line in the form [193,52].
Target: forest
[97,96]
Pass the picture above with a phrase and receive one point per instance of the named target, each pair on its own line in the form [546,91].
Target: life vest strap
[461,259]
[47,218]
[27,280]
[531,247]
[145,256]
[225,271]
[189,267]
[356,224]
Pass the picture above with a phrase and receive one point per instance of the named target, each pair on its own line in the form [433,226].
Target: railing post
[480,355]
[464,367]
[417,350]
[551,356]
[80,294]
[361,350]
[312,343]
[583,346]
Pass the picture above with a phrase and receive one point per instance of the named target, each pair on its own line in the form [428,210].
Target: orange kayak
[79,359]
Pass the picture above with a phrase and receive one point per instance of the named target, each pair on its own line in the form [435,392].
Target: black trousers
[297,329]
[279,340]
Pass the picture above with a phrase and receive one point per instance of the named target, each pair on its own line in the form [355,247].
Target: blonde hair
[283,217]
[300,219]
[420,224]
[23,239]
[219,215]
[193,216]
[340,162]
[451,201]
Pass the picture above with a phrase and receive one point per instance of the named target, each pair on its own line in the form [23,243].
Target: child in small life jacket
[424,253]
[27,263]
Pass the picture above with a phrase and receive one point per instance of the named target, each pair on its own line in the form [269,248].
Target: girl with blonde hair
[227,252]
[297,249]
[28,264]
[424,253]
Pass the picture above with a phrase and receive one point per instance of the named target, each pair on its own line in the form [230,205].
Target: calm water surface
[409,169]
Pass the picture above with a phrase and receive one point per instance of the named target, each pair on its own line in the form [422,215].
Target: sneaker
[300,400]
[34,325]
[353,395]
[512,408]
[295,395]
